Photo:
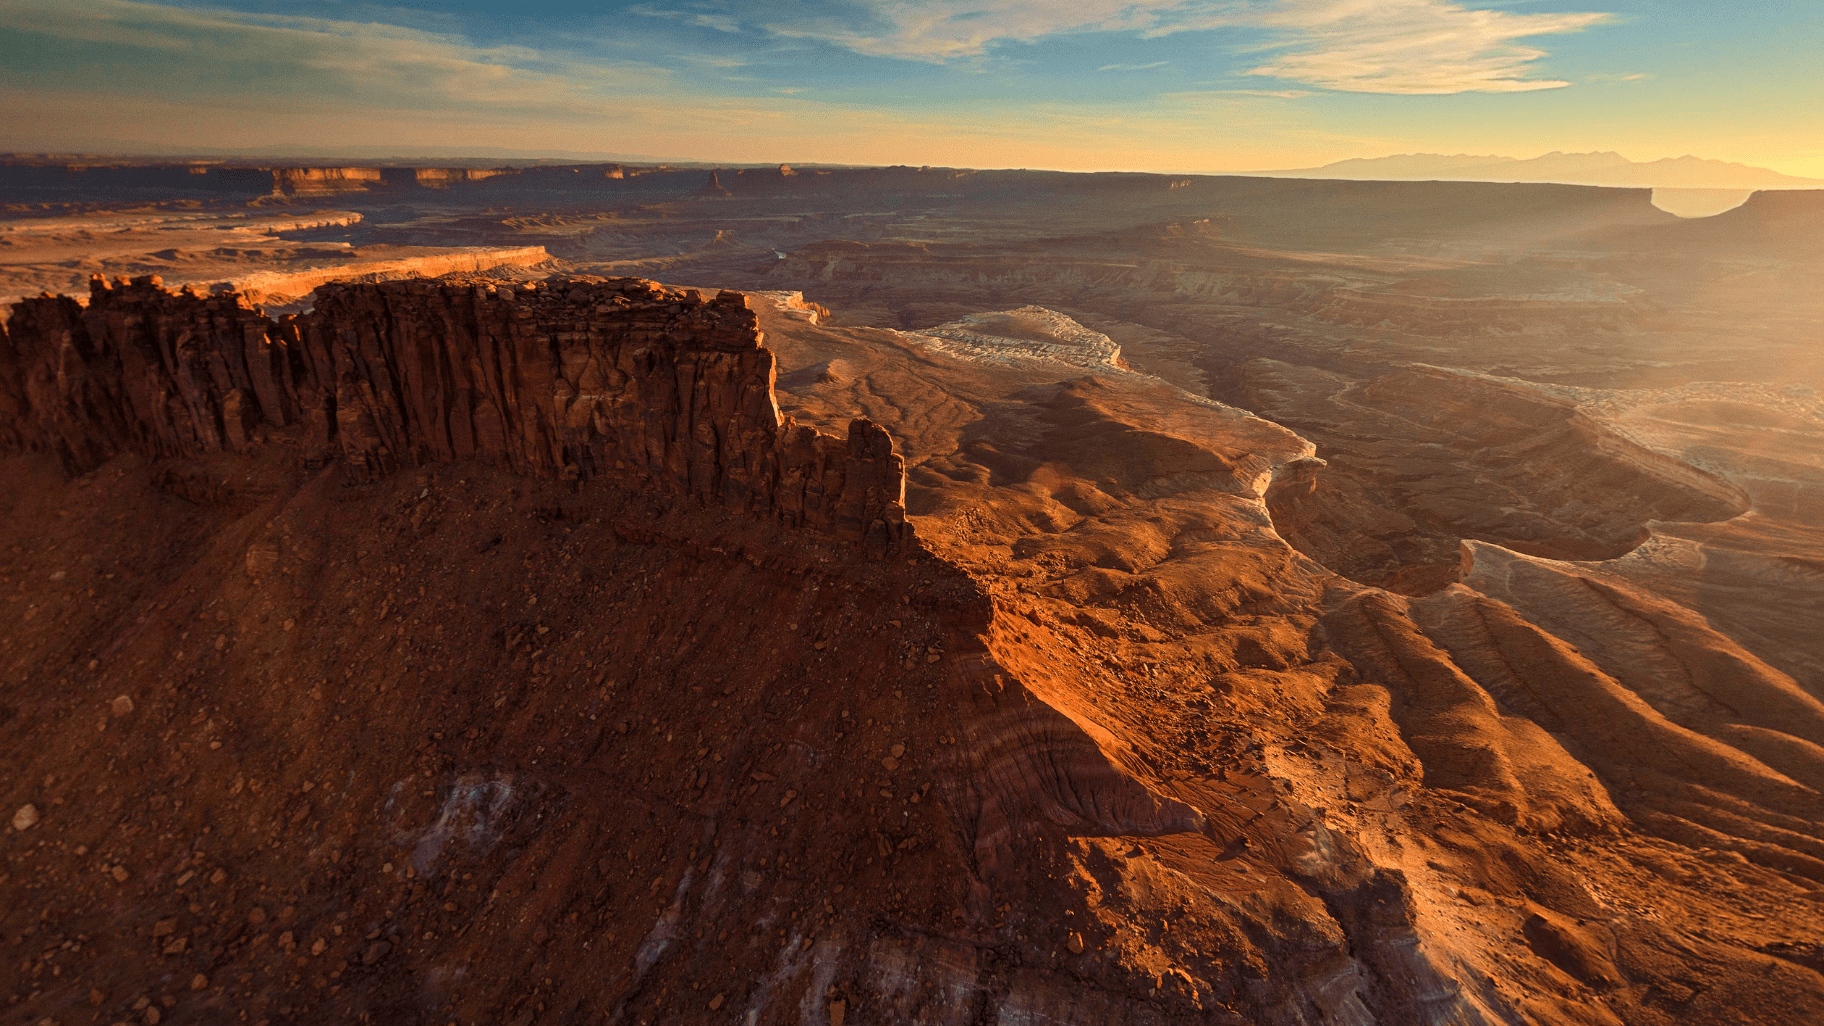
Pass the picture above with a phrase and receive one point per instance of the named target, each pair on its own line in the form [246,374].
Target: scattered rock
[199,982]
[1074,943]
[120,874]
[839,1011]
[262,559]
[26,818]
[164,928]
[318,946]
[715,1002]
[375,952]
[121,706]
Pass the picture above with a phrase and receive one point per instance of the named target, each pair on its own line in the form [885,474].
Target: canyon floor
[1332,603]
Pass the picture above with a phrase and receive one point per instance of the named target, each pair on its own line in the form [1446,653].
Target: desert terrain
[600,593]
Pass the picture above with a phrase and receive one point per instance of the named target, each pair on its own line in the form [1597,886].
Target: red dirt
[1098,746]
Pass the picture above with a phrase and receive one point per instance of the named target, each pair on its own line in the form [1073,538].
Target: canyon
[951,597]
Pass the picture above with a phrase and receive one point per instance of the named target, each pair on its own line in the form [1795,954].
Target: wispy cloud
[1369,46]
[713,61]
[693,16]
[327,58]
[172,70]
[945,30]
[719,22]
[1414,47]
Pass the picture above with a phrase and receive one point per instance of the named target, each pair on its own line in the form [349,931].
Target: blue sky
[1177,85]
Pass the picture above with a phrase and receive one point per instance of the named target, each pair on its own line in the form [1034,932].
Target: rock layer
[573,377]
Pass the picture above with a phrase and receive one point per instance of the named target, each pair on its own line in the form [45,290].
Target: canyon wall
[265,286]
[322,181]
[579,378]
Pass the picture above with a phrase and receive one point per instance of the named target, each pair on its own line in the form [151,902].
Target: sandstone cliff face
[323,181]
[578,378]
[283,286]
[139,369]
[444,177]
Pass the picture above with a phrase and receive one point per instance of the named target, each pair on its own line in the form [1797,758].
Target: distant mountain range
[1606,168]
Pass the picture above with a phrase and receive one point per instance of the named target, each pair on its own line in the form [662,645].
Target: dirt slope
[463,739]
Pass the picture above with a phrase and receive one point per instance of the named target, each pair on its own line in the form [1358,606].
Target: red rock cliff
[575,377]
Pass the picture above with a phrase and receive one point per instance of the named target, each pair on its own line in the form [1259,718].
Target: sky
[1158,85]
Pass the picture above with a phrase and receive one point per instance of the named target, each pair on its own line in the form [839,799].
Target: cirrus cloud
[208,51]
[1411,46]
[1367,46]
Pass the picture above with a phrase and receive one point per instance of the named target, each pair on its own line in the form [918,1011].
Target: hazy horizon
[1174,86]
[1751,179]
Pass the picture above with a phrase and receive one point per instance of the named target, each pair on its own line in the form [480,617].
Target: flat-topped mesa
[138,369]
[581,377]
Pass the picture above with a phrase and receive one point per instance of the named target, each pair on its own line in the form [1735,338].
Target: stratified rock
[294,182]
[646,385]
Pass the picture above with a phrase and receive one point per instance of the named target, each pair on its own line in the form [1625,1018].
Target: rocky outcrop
[583,377]
[138,369]
[323,181]
[444,177]
[713,188]
[265,286]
